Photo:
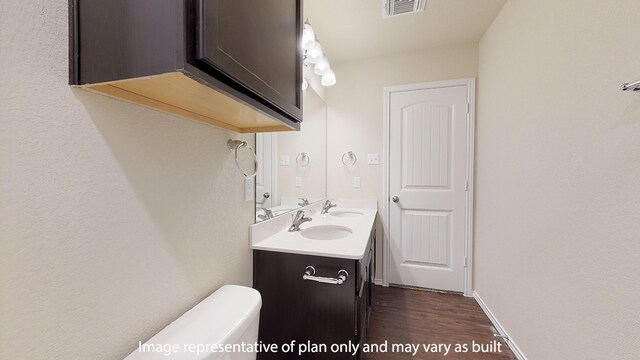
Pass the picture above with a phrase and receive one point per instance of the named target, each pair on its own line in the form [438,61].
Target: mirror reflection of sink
[326,232]
[345,213]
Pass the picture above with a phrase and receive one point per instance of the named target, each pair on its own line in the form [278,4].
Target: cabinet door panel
[264,55]
[295,309]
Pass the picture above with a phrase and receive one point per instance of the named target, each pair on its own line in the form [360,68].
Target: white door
[265,152]
[427,187]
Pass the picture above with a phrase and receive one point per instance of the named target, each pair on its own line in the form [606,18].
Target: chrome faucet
[268,214]
[298,220]
[303,202]
[327,206]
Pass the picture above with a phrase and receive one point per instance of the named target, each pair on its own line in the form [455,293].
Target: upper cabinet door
[257,44]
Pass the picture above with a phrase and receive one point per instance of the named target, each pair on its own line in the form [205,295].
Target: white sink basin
[326,232]
[345,213]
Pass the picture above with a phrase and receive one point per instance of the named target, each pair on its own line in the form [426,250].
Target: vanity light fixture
[328,79]
[308,35]
[314,52]
[314,55]
[322,66]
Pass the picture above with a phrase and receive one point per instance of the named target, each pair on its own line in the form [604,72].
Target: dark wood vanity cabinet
[235,64]
[312,312]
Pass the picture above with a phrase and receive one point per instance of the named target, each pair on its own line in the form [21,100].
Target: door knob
[266,195]
[395,199]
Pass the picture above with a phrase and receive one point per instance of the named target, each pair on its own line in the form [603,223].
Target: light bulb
[322,66]
[314,52]
[328,79]
[308,35]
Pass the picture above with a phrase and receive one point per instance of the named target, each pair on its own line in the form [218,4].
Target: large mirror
[292,171]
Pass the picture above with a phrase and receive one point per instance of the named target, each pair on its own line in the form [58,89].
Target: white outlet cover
[284,160]
[356,182]
[373,159]
[298,181]
[249,188]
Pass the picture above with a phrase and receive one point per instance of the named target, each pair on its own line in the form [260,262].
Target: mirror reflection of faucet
[327,206]
[268,214]
[298,220]
[303,202]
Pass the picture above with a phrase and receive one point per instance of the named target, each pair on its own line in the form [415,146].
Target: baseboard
[501,331]
[378,282]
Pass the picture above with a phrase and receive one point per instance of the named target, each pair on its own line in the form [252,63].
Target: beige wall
[557,177]
[114,219]
[312,139]
[355,116]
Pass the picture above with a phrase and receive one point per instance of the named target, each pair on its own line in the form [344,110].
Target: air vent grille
[402,7]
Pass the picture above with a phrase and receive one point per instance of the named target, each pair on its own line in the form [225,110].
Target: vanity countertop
[272,235]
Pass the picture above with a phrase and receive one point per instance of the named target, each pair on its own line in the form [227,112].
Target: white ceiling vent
[402,7]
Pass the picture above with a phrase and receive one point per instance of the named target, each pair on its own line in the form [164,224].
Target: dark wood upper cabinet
[235,64]
[262,53]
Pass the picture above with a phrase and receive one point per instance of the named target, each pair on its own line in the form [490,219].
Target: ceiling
[355,29]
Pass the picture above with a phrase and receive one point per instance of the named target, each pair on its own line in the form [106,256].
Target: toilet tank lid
[218,319]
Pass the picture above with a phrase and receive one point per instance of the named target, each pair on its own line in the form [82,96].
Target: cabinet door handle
[310,271]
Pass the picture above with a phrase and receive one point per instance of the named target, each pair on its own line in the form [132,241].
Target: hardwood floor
[407,316]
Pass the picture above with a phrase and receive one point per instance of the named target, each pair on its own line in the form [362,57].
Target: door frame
[470,83]
[274,168]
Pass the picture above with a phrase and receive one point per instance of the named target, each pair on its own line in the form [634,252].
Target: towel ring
[352,157]
[236,145]
[300,159]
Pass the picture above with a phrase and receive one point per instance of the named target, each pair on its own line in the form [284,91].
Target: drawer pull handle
[310,271]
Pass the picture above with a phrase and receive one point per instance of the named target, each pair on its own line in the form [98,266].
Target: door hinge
[466,185]
[465,262]
[468,108]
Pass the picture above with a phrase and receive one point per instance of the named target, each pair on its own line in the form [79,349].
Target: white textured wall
[114,219]
[558,177]
[355,116]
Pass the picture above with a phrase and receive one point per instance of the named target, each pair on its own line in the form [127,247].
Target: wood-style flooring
[408,316]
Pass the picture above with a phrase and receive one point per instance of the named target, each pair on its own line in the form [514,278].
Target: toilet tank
[228,316]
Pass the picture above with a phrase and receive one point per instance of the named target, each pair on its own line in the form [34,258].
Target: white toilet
[228,316]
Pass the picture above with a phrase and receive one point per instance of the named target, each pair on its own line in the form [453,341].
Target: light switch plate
[284,160]
[373,159]
[356,182]
[249,188]
[298,181]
